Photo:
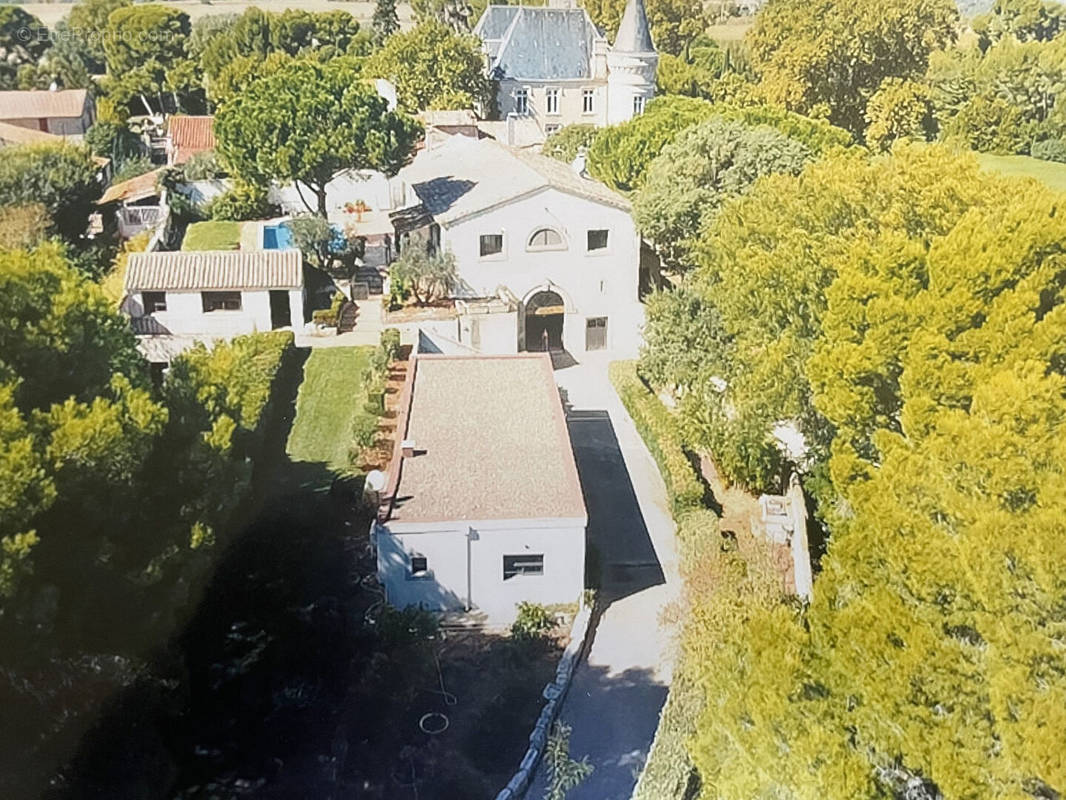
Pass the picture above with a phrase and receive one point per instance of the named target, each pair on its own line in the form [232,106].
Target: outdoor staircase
[373,277]
[347,317]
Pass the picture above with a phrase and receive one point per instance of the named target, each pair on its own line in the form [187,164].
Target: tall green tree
[87,23]
[146,49]
[899,110]
[308,121]
[385,21]
[1025,20]
[674,23]
[827,58]
[61,177]
[707,164]
[24,39]
[433,67]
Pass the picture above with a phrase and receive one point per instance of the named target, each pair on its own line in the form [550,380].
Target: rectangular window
[491,244]
[552,98]
[221,301]
[154,301]
[419,566]
[522,565]
[638,105]
[521,101]
[550,129]
[597,239]
[588,101]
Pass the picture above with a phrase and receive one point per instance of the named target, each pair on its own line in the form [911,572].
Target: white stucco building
[545,255]
[483,507]
[175,298]
[555,68]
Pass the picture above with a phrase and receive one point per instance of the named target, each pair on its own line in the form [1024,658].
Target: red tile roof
[190,135]
[491,443]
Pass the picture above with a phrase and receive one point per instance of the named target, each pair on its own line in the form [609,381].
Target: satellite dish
[376,480]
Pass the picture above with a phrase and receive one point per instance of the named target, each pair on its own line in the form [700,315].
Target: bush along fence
[660,432]
[375,377]
[668,773]
[554,694]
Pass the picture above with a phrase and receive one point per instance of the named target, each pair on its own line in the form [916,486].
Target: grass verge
[330,398]
[1050,173]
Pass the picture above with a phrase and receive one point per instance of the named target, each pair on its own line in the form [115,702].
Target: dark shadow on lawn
[617,536]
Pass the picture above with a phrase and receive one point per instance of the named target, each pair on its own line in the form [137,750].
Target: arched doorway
[544,321]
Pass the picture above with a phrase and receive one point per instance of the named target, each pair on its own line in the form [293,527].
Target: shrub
[364,431]
[390,342]
[1050,150]
[533,621]
[660,432]
[242,201]
[565,142]
[329,316]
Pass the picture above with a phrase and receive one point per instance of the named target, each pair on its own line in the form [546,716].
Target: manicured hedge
[659,429]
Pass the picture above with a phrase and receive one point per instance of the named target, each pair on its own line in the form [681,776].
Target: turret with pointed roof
[634,32]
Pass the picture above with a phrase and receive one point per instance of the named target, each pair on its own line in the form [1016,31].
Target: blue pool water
[279,237]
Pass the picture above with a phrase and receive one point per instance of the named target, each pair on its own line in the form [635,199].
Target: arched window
[546,239]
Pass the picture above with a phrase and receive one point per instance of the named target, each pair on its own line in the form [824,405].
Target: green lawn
[1051,173]
[212,236]
[330,396]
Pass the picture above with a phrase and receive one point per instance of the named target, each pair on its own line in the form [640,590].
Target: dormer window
[546,239]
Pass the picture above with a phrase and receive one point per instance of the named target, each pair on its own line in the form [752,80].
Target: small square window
[419,566]
[550,129]
[522,565]
[154,301]
[221,301]
[597,239]
[491,244]
[588,101]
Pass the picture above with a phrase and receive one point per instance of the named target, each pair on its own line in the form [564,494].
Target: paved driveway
[618,690]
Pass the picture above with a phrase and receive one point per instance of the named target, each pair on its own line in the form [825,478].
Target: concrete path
[367,332]
[618,690]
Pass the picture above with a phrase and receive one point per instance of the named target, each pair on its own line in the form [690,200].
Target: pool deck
[251,237]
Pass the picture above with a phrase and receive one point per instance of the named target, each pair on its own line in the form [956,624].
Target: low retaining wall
[554,694]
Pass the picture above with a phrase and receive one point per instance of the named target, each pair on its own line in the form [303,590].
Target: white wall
[599,284]
[185,314]
[369,186]
[466,566]
[570,101]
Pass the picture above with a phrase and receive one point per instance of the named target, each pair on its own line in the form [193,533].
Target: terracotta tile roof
[42,104]
[214,269]
[190,135]
[16,134]
[464,176]
[491,443]
[137,188]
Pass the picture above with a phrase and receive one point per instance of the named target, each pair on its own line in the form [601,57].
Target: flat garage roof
[490,441]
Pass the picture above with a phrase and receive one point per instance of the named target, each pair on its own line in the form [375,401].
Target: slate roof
[190,135]
[634,32]
[538,43]
[42,104]
[464,176]
[214,269]
[490,443]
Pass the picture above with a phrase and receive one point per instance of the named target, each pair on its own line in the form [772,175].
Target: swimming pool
[278,237]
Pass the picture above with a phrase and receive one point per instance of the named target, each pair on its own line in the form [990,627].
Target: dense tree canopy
[61,177]
[899,109]
[707,164]
[87,22]
[147,58]
[306,122]
[23,40]
[433,67]
[828,58]
[1025,20]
